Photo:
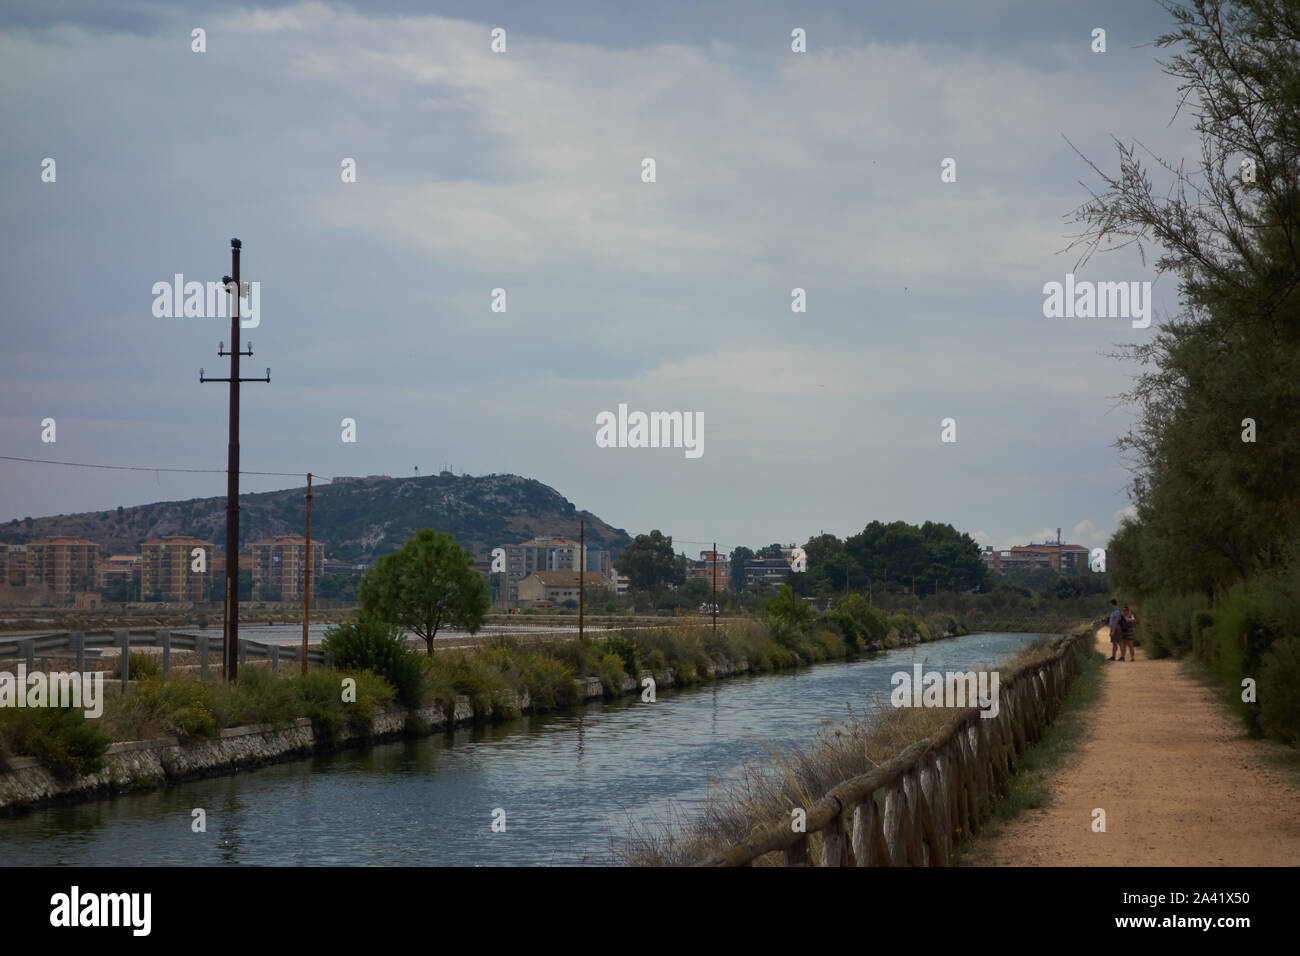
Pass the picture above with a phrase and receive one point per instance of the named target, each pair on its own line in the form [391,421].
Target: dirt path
[1180,783]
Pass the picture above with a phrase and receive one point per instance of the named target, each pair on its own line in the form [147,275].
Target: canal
[569,785]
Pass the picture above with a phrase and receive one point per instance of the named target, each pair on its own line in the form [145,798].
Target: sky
[524,171]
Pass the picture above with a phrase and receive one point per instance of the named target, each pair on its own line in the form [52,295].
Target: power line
[199,471]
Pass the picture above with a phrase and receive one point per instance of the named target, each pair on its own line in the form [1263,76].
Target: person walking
[1113,621]
[1127,628]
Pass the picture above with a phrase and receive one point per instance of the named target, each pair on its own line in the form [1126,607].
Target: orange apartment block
[64,564]
[279,563]
[168,567]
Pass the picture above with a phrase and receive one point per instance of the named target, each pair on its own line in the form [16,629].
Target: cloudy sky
[522,171]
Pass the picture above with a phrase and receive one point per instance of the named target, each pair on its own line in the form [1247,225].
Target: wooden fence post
[77,640]
[164,637]
[123,639]
[275,658]
[835,848]
[29,656]
[201,646]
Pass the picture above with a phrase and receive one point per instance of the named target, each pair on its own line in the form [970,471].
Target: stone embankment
[148,764]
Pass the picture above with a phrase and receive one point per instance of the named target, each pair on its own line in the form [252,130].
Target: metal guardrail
[936,792]
[82,645]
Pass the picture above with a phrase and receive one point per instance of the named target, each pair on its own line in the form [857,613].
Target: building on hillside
[556,586]
[64,564]
[705,567]
[278,565]
[4,564]
[171,570]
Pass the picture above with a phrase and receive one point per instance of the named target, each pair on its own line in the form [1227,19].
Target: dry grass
[765,793]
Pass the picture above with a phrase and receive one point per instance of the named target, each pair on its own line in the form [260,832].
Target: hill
[357,518]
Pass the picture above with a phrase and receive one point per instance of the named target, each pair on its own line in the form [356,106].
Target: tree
[740,558]
[649,562]
[428,584]
[1213,507]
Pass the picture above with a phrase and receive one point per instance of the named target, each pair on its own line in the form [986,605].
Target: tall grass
[764,792]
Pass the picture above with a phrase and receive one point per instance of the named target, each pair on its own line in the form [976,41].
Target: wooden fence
[915,809]
[82,645]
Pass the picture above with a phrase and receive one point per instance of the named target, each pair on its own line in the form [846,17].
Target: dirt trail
[1180,783]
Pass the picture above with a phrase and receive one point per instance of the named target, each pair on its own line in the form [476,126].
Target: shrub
[182,708]
[549,682]
[59,737]
[1279,691]
[610,671]
[620,645]
[370,644]
[144,666]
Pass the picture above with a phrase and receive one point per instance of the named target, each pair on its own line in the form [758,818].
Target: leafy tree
[649,562]
[269,592]
[1213,509]
[427,584]
[740,558]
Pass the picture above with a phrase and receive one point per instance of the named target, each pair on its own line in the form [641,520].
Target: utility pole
[715,587]
[306,581]
[582,560]
[230,613]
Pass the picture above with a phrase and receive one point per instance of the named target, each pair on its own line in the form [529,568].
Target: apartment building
[550,554]
[63,564]
[176,567]
[705,567]
[122,567]
[279,563]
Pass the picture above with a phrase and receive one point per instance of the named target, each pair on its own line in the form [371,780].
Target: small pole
[715,587]
[306,581]
[582,560]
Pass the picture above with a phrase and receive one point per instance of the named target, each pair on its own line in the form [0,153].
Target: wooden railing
[915,809]
[82,645]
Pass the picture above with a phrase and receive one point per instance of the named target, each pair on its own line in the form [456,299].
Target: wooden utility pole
[230,613]
[306,581]
[715,587]
[582,560]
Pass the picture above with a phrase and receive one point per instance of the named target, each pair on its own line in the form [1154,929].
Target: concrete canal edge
[136,765]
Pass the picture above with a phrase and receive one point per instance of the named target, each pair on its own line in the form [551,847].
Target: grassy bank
[496,676]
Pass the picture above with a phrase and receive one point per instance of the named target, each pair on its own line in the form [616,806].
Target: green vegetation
[1210,556]
[921,558]
[60,738]
[429,583]
[649,562]
[190,709]
[371,645]
[144,666]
